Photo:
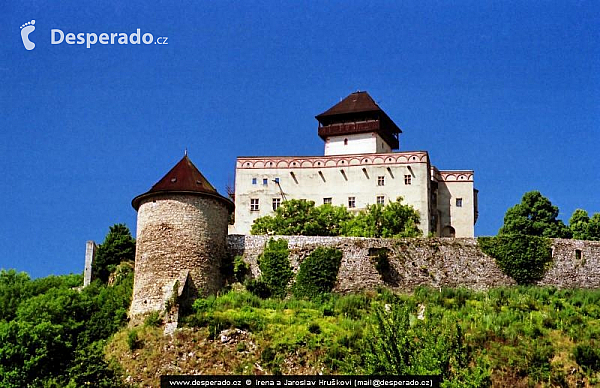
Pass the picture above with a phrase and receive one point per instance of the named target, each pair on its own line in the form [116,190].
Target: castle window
[276,180]
[253,181]
[577,254]
[276,203]
[327,201]
[351,202]
[380,180]
[253,204]
[458,202]
[381,200]
[265,181]
[345,141]
[407,179]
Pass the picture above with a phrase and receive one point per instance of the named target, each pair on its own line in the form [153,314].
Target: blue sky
[510,89]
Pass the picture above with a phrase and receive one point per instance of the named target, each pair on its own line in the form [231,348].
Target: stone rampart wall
[435,262]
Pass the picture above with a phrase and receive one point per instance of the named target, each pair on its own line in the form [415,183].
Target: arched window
[345,141]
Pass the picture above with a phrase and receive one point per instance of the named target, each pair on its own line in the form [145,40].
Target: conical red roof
[183,178]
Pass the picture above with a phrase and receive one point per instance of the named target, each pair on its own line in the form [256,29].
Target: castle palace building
[360,166]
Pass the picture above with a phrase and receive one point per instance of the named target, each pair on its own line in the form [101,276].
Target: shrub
[392,348]
[318,273]
[153,320]
[133,341]
[587,356]
[240,269]
[258,287]
[274,264]
[523,258]
[314,328]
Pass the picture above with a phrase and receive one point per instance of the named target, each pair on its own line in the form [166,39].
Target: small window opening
[351,202]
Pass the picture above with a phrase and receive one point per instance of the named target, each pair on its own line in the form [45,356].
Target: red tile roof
[184,178]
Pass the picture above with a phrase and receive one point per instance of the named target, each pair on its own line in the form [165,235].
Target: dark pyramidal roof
[183,178]
[355,103]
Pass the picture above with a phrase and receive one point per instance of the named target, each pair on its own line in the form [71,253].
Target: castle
[182,224]
[358,168]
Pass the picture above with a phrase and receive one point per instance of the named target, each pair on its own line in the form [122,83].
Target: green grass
[520,336]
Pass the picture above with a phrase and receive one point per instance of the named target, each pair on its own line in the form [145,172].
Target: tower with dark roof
[181,240]
[357,125]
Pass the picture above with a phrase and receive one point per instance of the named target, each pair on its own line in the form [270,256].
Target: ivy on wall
[275,268]
[318,273]
[524,258]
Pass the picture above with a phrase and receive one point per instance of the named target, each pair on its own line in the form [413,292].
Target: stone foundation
[434,262]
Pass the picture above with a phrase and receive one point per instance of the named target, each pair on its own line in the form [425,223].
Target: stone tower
[181,240]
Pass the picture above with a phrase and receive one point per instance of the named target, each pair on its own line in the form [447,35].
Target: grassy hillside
[518,337]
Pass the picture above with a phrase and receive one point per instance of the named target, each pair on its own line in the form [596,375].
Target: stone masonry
[180,244]
[434,262]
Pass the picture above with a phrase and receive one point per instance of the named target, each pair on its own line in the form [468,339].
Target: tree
[584,227]
[391,220]
[13,288]
[534,216]
[118,246]
[594,227]
[579,224]
[301,217]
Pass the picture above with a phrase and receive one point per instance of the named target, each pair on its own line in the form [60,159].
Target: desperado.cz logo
[90,38]
[58,36]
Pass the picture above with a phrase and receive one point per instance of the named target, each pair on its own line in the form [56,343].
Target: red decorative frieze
[293,162]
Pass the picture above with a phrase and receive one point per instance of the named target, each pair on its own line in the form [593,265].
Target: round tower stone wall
[181,241]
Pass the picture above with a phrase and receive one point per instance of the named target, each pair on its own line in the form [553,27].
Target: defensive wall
[435,262]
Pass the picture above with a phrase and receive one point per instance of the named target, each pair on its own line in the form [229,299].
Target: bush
[241,269]
[314,328]
[392,348]
[587,356]
[258,287]
[274,264]
[523,258]
[153,320]
[318,273]
[133,341]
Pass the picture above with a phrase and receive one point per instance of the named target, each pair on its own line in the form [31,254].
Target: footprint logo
[27,29]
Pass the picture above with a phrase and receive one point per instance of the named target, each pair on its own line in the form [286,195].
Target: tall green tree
[578,223]
[594,227]
[584,227]
[301,217]
[534,216]
[118,246]
[391,220]
[13,288]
